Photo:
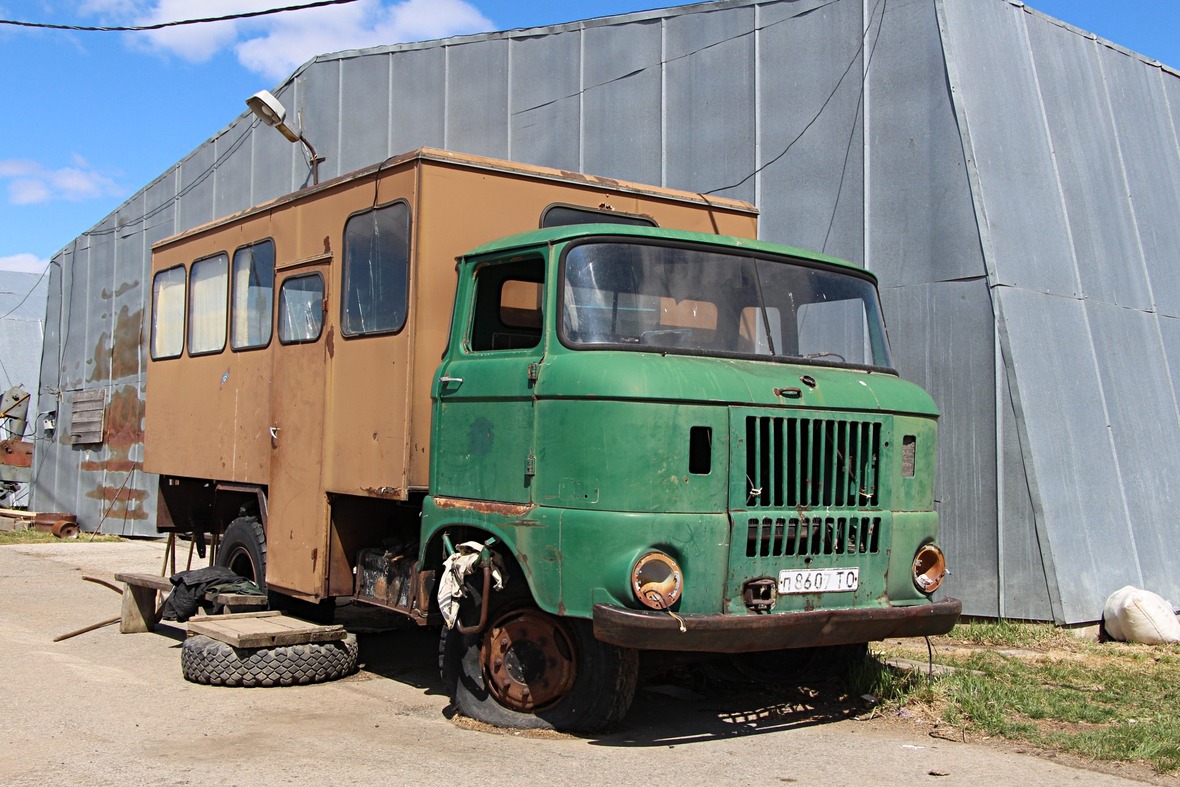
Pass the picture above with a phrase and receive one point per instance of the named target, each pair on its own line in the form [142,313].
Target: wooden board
[146,581]
[255,631]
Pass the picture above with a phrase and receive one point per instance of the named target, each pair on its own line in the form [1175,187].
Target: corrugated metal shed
[1010,179]
[22,327]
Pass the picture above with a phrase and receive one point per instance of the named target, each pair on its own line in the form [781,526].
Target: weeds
[34,536]
[1112,701]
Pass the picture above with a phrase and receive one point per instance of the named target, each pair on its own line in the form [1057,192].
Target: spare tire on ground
[209,661]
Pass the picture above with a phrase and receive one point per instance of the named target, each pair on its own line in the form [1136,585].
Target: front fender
[532,544]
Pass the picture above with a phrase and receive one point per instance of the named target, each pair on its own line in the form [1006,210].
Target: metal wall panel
[995,87]
[923,226]
[546,116]
[232,172]
[1073,476]
[419,108]
[45,466]
[275,164]
[1145,431]
[365,112]
[1073,94]
[810,141]
[701,153]
[477,97]
[959,372]
[159,217]
[23,303]
[194,199]
[1023,575]
[622,95]
[317,108]
[1151,163]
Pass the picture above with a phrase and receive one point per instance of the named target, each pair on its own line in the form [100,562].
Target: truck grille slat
[804,536]
[811,462]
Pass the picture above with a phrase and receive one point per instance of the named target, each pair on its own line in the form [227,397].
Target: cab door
[297,526]
[483,398]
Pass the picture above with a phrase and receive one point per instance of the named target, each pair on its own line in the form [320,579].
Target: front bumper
[646,630]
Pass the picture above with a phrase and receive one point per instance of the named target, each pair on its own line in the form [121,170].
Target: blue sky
[90,118]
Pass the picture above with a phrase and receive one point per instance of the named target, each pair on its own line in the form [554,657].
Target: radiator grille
[781,536]
[811,462]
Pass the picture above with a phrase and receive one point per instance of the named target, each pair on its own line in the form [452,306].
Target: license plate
[818,580]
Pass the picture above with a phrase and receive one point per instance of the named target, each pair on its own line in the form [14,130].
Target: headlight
[929,568]
[657,580]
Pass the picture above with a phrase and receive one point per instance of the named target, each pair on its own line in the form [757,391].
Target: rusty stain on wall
[124,433]
[124,352]
[107,295]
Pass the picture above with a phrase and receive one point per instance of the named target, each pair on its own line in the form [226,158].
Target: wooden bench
[140,613]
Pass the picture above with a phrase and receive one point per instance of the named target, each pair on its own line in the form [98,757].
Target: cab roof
[563,234]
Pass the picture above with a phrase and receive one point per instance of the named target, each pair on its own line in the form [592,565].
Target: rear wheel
[243,550]
[529,669]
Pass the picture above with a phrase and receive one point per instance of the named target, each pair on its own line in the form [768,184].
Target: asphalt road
[105,708]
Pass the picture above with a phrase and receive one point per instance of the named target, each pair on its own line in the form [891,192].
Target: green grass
[1035,683]
[32,536]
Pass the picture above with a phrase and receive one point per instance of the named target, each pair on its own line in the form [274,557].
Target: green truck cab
[670,441]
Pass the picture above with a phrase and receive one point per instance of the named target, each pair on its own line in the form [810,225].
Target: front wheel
[529,669]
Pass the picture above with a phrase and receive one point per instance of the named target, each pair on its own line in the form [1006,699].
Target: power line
[162,25]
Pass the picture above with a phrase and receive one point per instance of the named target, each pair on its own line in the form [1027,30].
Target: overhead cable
[178,23]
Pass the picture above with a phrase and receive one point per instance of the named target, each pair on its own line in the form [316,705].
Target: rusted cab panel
[282,375]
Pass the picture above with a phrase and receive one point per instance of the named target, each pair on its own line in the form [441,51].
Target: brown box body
[351,416]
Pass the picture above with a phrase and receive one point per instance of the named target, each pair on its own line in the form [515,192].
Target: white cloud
[23,263]
[274,46]
[29,182]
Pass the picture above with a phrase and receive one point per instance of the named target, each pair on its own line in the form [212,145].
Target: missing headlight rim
[657,580]
[929,568]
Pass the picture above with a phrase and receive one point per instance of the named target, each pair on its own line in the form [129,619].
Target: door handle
[456,380]
[274,434]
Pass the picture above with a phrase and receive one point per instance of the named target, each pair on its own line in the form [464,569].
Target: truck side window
[376,270]
[168,313]
[301,309]
[253,296]
[208,305]
[508,305]
[564,215]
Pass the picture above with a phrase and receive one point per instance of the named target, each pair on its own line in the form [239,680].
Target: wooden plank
[256,631]
[138,614]
[146,581]
[265,613]
[237,599]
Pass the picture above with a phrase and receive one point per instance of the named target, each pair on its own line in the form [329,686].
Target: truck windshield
[647,297]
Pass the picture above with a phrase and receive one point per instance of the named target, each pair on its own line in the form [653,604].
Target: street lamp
[272,113]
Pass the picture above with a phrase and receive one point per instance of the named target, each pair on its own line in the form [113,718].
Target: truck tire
[213,663]
[243,550]
[529,669]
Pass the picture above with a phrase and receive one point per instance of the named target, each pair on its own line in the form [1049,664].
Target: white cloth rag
[456,568]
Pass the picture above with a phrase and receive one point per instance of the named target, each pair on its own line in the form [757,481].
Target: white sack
[1134,615]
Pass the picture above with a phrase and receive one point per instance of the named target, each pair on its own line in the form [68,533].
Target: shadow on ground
[676,704]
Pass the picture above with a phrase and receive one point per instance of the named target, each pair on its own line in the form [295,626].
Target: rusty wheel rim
[528,660]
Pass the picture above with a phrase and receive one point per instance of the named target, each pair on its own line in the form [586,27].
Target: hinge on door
[530,466]
[534,371]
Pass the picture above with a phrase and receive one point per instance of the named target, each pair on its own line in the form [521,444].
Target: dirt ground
[104,708]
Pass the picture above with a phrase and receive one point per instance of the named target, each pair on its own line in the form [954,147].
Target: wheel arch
[543,582]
